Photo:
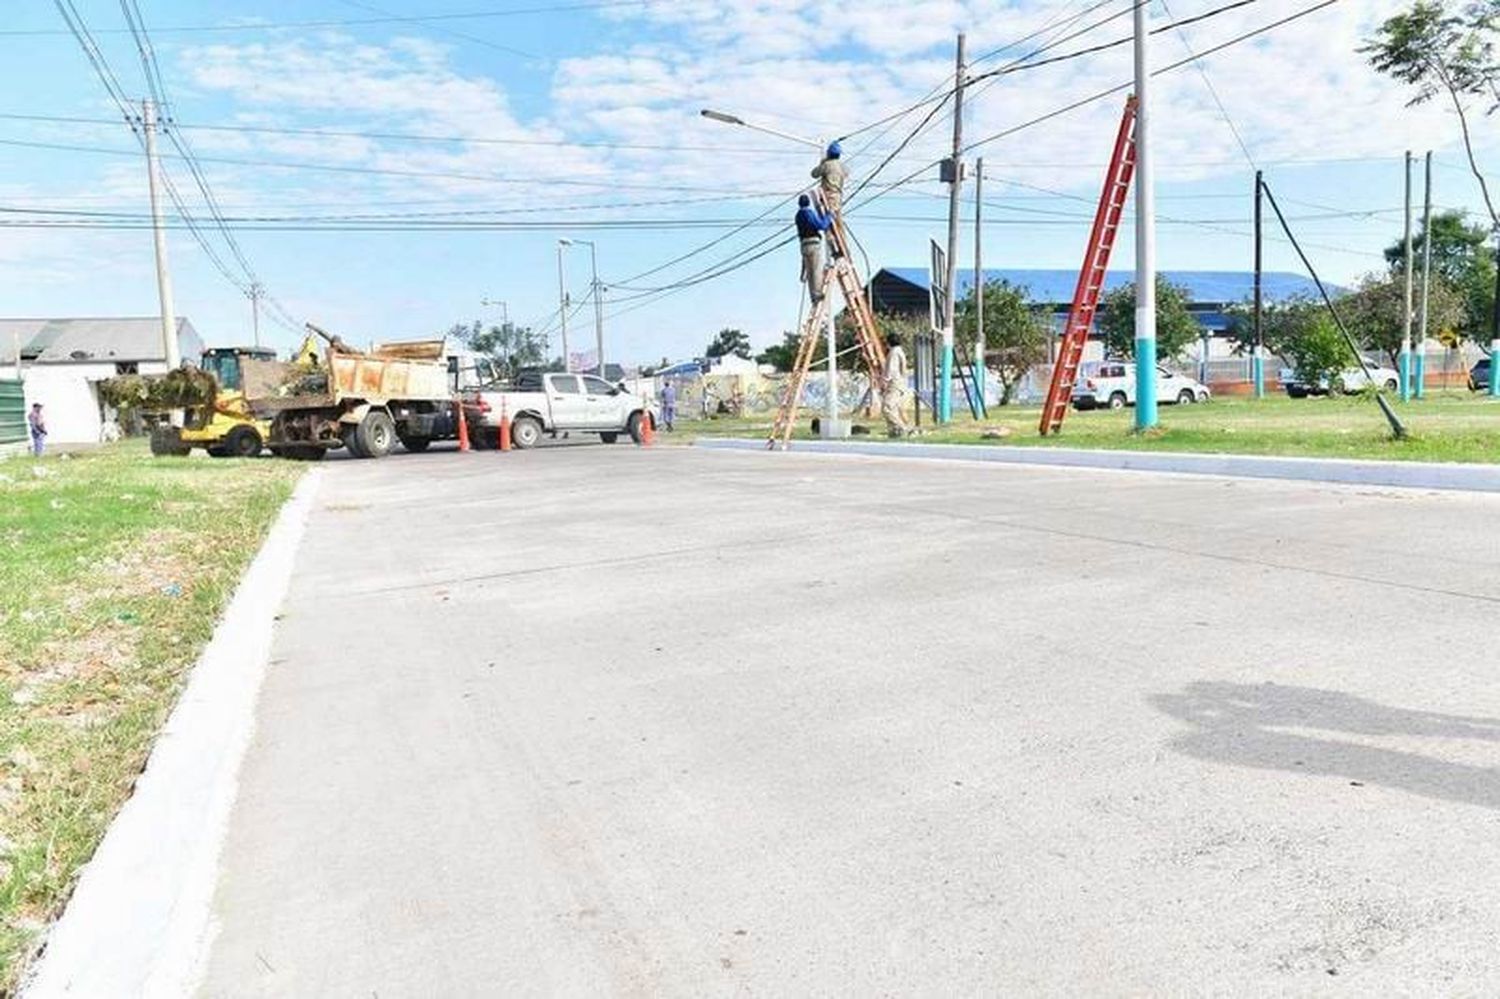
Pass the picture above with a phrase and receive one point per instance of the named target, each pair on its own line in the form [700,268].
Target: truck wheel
[415,444]
[350,436]
[611,437]
[634,426]
[376,434]
[1117,401]
[166,441]
[216,451]
[525,432]
[241,442]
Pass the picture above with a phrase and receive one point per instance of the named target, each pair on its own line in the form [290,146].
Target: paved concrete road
[604,721]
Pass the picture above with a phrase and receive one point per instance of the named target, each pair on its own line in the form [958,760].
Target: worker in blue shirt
[811,224]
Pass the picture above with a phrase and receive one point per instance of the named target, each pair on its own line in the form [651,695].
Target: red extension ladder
[1091,278]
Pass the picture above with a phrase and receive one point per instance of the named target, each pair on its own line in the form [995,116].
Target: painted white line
[1402,474]
[138,923]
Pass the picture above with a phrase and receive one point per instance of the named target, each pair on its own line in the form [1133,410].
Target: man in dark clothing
[37,424]
[811,224]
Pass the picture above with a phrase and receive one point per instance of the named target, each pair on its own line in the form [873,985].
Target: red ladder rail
[1091,277]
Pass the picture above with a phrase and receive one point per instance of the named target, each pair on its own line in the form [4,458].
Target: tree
[1375,311]
[1438,50]
[1462,258]
[1015,332]
[1175,325]
[1304,333]
[730,342]
[512,347]
[783,355]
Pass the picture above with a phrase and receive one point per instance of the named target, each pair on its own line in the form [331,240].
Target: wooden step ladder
[866,334]
[1091,278]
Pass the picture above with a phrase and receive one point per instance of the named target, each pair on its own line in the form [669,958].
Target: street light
[562,305]
[504,308]
[832,414]
[598,297]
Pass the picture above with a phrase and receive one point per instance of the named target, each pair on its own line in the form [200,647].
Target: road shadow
[1245,725]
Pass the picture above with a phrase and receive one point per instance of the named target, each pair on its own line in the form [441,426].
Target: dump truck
[342,397]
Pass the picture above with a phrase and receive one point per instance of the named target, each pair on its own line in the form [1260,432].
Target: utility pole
[1258,349]
[981,376]
[1145,230]
[562,307]
[170,350]
[256,291]
[955,181]
[1421,342]
[1403,366]
[1494,327]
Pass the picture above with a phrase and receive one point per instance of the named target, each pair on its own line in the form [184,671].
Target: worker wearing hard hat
[831,175]
[811,224]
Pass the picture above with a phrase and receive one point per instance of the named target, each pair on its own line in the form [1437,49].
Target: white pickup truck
[555,403]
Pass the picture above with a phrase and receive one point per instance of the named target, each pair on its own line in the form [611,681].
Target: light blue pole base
[1419,375]
[1145,384]
[945,386]
[1495,369]
[1403,375]
[1258,375]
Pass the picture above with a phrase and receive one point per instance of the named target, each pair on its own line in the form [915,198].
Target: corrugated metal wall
[12,412]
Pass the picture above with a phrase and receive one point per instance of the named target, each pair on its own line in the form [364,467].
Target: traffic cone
[504,426]
[463,427]
[648,431]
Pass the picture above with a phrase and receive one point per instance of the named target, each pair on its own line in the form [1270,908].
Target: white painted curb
[1405,474]
[139,921]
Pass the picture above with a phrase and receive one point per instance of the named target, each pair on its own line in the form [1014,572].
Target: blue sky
[581,120]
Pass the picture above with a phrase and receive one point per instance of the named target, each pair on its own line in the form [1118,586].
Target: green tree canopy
[1175,325]
[1015,332]
[729,342]
[512,347]
[1302,331]
[1462,257]
[1375,311]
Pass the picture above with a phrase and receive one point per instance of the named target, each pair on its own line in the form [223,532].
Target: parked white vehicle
[556,403]
[1112,384]
[1349,380]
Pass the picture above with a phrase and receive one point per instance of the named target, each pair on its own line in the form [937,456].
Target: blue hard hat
[804,201]
[835,150]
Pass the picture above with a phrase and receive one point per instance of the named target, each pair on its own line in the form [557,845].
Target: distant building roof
[124,338]
[905,289]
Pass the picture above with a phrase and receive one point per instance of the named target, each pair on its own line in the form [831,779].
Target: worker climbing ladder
[866,334]
[1091,278]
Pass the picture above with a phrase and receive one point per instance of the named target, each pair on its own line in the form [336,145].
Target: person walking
[37,424]
[668,405]
[811,224]
[893,400]
[832,175]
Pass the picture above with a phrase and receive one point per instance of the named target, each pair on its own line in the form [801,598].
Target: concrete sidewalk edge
[1404,474]
[139,920]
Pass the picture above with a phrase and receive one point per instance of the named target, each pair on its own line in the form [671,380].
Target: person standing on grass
[668,405]
[893,401]
[37,424]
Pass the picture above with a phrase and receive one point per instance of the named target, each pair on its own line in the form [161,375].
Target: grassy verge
[1443,427]
[114,567]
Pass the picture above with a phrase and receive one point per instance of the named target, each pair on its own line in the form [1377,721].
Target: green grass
[1455,426]
[114,567]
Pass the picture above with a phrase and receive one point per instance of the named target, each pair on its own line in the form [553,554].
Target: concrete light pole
[255,293]
[598,292]
[1145,230]
[170,349]
[1421,341]
[562,305]
[1403,359]
[955,187]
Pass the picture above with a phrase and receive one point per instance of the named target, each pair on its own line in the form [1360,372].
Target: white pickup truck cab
[1112,384]
[556,403]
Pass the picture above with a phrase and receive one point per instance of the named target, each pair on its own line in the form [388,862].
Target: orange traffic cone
[504,426]
[648,430]
[463,427]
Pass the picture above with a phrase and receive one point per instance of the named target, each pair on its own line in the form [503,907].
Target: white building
[62,362]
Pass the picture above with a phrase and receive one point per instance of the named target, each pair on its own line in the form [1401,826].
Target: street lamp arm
[729,119]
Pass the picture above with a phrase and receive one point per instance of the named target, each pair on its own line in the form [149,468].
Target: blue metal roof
[1055,287]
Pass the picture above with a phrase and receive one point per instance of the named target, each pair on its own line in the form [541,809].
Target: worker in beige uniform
[893,401]
[831,175]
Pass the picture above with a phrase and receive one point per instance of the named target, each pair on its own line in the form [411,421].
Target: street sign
[937,279]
